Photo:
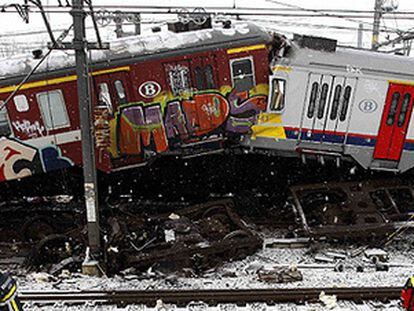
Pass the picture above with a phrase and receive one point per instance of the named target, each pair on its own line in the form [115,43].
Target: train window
[404,109]
[208,72]
[312,100]
[204,78]
[120,91]
[393,109]
[345,103]
[335,102]
[179,79]
[53,109]
[242,74]
[4,121]
[21,103]
[104,96]
[277,100]
[322,101]
[199,78]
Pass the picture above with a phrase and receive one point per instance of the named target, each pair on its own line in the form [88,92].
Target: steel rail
[211,297]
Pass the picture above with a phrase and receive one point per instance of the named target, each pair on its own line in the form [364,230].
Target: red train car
[166,93]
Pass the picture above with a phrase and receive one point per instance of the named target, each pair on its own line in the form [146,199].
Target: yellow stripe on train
[246,48]
[31,85]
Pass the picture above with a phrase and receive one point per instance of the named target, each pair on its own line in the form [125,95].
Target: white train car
[327,102]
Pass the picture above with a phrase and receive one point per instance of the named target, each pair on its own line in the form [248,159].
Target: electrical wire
[29,75]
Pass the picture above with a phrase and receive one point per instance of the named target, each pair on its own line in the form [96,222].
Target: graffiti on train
[160,127]
[18,160]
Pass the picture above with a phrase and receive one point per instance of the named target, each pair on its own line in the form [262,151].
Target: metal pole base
[91,266]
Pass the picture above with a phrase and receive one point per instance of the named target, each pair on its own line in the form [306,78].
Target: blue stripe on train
[339,139]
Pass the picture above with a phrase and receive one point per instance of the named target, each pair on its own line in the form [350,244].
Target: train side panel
[180,103]
[350,105]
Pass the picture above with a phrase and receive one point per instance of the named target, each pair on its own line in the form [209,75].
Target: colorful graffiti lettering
[159,126]
[18,160]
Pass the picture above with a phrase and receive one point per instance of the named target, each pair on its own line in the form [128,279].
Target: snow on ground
[243,274]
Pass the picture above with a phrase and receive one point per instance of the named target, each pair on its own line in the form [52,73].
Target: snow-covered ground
[243,275]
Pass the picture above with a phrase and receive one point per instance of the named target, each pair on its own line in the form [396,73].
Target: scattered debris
[280,275]
[376,255]
[329,301]
[300,242]
[197,237]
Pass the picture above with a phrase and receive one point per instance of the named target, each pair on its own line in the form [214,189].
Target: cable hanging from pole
[30,74]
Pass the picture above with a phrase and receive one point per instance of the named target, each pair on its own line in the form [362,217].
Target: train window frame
[62,103]
[312,100]
[209,77]
[335,102]
[277,102]
[345,103]
[392,112]
[242,77]
[21,103]
[4,121]
[322,100]
[404,109]
[199,78]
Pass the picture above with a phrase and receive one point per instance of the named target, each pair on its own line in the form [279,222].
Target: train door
[338,113]
[316,107]
[394,123]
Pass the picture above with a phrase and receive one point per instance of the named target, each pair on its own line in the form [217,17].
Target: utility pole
[90,266]
[377,20]
[80,45]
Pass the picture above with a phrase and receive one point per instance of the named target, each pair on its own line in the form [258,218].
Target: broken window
[179,79]
[277,100]
[53,109]
[242,74]
[4,121]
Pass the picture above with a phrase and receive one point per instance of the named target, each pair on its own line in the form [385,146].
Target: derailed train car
[326,102]
[181,93]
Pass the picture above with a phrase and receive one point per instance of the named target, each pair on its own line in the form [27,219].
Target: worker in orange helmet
[407,295]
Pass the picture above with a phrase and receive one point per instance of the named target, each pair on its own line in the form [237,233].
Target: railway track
[211,297]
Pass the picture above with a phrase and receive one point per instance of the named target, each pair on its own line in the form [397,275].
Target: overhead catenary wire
[27,77]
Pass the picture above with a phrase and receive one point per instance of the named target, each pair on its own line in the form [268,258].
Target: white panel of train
[327,102]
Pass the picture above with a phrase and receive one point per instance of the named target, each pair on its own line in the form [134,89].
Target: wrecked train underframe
[353,210]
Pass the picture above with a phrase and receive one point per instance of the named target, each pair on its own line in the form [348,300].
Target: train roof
[368,62]
[139,48]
